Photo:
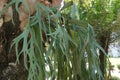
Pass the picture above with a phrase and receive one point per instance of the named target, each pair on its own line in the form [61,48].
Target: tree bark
[9,70]
[104,42]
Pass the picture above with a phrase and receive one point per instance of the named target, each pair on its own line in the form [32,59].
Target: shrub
[118,66]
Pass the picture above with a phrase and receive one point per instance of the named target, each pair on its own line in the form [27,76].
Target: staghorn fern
[64,57]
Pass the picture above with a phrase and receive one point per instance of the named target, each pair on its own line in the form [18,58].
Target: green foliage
[118,66]
[102,14]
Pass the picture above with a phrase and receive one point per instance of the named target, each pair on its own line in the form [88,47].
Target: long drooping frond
[57,44]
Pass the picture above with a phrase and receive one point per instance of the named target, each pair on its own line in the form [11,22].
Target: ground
[115,71]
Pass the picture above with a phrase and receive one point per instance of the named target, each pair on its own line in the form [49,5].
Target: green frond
[71,50]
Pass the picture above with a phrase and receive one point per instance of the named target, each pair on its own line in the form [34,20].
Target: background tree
[103,16]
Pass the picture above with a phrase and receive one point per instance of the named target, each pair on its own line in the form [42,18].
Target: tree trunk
[9,69]
[104,42]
